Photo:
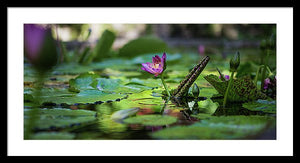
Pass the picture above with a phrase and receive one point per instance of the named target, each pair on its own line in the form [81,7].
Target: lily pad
[91,81]
[151,120]
[53,136]
[83,81]
[261,105]
[230,127]
[63,96]
[60,118]
[208,106]
[242,88]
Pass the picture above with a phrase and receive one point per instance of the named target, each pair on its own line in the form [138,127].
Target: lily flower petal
[157,66]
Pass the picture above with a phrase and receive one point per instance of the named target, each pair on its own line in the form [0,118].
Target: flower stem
[257,73]
[227,90]
[162,80]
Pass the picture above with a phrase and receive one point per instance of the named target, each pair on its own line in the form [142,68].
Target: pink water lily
[157,66]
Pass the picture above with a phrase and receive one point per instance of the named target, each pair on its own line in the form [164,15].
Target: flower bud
[235,62]
[40,47]
[195,90]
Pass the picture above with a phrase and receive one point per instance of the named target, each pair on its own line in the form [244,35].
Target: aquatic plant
[234,64]
[157,67]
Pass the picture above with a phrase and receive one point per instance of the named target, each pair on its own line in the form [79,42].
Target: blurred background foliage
[86,43]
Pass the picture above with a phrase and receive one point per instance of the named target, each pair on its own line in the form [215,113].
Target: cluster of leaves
[224,127]
[242,90]
[125,95]
[103,49]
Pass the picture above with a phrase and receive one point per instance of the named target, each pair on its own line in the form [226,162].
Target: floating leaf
[151,120]
[230,127]
[53,136]
[242,89]
[82,82]
[261,105]
[85,96]
[60,118]
[208,106]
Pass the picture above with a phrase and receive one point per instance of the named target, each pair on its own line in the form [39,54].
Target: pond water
[115,99]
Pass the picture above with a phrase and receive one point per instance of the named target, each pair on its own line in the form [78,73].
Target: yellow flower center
[156,65]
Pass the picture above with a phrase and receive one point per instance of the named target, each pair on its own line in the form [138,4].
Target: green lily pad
[230,127]
[242,88]
[60,118]
[208,106]
[60,96]
[53,136]
[261,105]
[83,81]
[151,120]
[91,81]
[88,88]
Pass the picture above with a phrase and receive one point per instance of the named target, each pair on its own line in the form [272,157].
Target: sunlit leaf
[151,120]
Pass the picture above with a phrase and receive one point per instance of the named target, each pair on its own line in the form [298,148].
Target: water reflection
[106,125]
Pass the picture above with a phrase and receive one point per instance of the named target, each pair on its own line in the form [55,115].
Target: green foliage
[226,127]
[151,120]
[104,45]
[88,88]
[207,106]
[64,96]
[242,89]
[143,58]
[82,82]
[84,55]
[101,50]
[248,68]
[132,97]
[59,118]
[143,45]
[53,136]
[261,105]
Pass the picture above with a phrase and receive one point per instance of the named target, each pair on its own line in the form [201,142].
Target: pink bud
[201,49]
